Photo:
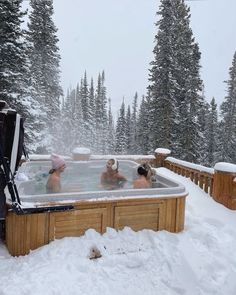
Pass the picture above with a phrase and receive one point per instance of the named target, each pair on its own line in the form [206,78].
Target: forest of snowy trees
[174,113]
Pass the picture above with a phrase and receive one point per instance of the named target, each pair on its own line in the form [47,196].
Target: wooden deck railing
[201,177]
[220,182]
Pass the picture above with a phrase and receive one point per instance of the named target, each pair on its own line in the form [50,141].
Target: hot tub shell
[155,209]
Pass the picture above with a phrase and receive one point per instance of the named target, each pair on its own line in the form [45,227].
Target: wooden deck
[28,232]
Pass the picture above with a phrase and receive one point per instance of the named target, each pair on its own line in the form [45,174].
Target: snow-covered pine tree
[84,94]
[144,133]
[68,125]
[79,130]
[128,131]
[175,82]
[228,113]
[162,83]
[84,99]
[12,52]
[98,116]
[14,88]
[105,132]
[121,141]
[101,116]
[44,65]
[212,136]
[111,131]
[134,114]
[190,102]
[92,119]
[203,116]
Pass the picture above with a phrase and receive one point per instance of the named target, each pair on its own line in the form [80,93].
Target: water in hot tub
[77,177]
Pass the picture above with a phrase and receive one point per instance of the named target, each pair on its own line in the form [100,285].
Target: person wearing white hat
[54,180]
[111,178]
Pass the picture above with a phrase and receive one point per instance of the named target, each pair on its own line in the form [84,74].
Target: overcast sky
[117,36]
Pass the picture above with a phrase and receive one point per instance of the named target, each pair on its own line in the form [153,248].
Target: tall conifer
[175,85]
[228,113]
[44,65]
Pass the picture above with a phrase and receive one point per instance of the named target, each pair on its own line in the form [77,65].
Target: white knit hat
[57,161]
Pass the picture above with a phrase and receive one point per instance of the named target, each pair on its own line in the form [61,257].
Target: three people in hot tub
[111,178]
[54,179]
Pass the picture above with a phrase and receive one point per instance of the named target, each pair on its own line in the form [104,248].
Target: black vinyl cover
[7,133]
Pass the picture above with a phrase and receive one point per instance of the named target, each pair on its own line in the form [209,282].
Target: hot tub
[160,207]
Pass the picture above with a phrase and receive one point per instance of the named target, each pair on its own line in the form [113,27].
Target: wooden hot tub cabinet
[30,231]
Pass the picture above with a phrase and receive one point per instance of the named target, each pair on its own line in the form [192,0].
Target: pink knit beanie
[57,161]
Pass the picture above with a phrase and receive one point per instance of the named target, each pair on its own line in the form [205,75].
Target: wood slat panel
[137,217]
[180,214]
[75,223]
[170,215]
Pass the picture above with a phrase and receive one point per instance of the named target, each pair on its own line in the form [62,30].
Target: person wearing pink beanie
[54,179]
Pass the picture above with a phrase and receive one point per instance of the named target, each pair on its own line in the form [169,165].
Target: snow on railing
[191,165]
[219,182]
[200,175]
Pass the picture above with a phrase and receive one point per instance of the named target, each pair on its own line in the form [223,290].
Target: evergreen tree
[212,137]
[121,142]
[13,64]
[68,125]
[175,83]
[128,131]
[111,131]
[44,66]
[84,93]
[92,119]
[79,126]
[101,116]
[228,113]
[14,88]
[203,113]
[162,83]
[144,134]
[84,101]
[133,144]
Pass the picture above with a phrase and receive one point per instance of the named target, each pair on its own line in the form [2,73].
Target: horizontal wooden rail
[201,178]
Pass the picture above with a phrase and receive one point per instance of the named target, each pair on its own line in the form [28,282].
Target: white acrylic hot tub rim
[103,195]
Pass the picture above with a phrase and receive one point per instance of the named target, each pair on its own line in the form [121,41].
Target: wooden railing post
[160,155]
[224,184]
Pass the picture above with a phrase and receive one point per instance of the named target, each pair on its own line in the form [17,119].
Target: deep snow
[200,260]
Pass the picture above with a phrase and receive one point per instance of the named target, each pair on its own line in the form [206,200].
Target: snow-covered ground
[200,260]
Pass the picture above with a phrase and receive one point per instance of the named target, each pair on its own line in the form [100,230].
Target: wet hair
[142,171]
[51,171]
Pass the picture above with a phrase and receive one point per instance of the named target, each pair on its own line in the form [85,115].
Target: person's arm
[121,180]
[121,177]
[103,179]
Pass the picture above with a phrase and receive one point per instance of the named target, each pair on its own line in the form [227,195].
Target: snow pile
[81,151]
[225,167]
[162,151]
[122,157]
[200,260]
[191,165]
